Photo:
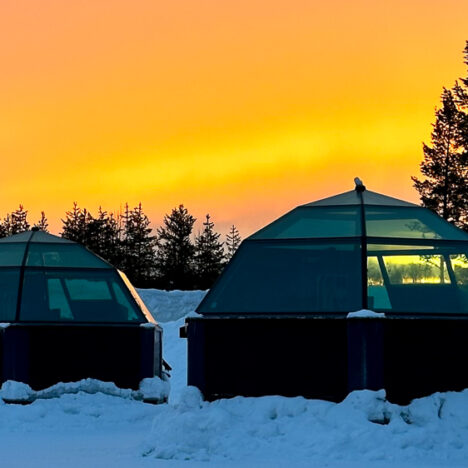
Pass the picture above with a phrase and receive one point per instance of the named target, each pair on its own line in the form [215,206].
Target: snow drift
[363,428]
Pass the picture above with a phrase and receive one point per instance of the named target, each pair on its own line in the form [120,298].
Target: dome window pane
[305,222]
[289,277]
[409,223]
[11,254]
[67,255]
[9,283]
[72,295]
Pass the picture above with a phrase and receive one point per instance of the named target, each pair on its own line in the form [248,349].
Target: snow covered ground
[112,429]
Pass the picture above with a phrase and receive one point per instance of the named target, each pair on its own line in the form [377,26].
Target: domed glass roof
[356,250]
[341,216]
[45,278]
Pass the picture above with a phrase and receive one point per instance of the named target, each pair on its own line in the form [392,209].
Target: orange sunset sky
[242,109]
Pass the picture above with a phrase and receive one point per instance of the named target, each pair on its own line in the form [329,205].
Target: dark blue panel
[9,282]
[12,254]
[289,277]
[63,255]
[314,222]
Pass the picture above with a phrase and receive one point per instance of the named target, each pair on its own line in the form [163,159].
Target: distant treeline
[170,258]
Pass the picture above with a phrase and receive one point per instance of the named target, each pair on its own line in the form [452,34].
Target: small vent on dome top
[360,187]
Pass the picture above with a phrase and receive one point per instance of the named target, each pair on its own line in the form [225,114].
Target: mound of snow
[363,428]
[167,306]
[154,389]
[16,391]
[151,389]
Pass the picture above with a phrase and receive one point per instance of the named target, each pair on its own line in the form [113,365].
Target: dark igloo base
[42,355]
[326,357]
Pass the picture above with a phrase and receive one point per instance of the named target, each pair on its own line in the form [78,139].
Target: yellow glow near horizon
[241,109]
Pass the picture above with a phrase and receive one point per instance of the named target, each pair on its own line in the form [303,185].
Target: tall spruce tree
[233,240]
[5,226]
[445,165]
[19,221]
[42,224]
[465,53]
[462,95]
[75,225]
[101,235]
[110,245]
[175,250]
[209,256]
[139,247]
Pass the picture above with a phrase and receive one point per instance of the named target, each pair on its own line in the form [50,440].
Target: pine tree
[124,223]
[462,94]
[101,235]
[233,240]
[139,247]
[209,256]
[465,52]
[445,165]
[175,250]
[42,224]
[109,238]
[19,221]
[75,225]
[5,227]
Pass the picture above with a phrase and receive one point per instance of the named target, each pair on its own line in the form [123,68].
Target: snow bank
[16,391]
[152,389]
[167,306]
[363,428]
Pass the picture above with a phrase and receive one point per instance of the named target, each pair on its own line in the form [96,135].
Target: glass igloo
[66,315]
[355,291]
[357,250]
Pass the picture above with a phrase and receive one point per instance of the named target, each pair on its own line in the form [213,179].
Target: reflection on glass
[88,289]
[413,279]
[58,300]
[409,223]
[416,269]
[377,295]
[460,268]
[73,295]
